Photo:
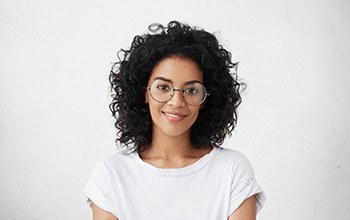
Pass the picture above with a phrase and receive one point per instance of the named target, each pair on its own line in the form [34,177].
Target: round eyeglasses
[193,93]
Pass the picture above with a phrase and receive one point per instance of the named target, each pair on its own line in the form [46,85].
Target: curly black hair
[129,77]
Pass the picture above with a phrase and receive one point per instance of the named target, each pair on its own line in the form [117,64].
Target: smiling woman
[177,113]
[174,100]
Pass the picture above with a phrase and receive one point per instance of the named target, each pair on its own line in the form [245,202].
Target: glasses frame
[179,90]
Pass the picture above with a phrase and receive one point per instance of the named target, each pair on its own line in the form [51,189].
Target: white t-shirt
[212,188]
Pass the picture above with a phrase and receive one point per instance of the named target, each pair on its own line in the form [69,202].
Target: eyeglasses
[162,91]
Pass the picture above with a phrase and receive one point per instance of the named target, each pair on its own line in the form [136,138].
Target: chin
[173,131]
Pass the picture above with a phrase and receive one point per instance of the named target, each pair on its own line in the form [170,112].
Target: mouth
[174,117]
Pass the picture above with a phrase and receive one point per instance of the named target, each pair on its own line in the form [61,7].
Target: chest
[202,195]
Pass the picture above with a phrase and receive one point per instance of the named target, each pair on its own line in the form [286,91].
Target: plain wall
[293,124]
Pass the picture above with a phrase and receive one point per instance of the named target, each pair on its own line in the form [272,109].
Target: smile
[174,117]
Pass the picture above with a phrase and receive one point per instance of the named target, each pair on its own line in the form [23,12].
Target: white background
[293,125]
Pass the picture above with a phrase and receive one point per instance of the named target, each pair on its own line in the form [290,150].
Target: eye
[163,88]
[191,91]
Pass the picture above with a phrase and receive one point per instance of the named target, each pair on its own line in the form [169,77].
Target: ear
[202,106]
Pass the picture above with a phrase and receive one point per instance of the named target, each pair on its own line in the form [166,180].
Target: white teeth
[172,115]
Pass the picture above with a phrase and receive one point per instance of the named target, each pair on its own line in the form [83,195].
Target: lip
[174,116]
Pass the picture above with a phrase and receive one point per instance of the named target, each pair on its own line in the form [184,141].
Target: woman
[174,101]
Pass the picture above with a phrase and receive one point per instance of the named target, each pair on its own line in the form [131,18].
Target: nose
[178,99]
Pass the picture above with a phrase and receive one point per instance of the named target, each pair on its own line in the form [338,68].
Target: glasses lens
[195,94]
[161,90]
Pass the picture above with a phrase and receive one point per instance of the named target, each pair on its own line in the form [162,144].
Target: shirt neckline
[182,171]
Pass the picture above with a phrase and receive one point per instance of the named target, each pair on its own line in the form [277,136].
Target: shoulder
[120,156]
[115,162]
[229,152]
[234,160]
[231,156]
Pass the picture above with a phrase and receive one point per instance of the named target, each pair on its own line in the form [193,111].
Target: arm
[247,210]
[100,214]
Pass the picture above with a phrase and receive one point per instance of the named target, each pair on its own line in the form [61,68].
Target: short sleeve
[244,185]
[98,189]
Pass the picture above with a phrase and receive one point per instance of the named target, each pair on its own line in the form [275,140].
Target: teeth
[172,115]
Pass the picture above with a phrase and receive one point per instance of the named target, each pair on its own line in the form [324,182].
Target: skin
[171,146]
[167,135]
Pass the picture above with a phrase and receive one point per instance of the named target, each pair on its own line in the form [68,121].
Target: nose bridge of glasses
[182,92]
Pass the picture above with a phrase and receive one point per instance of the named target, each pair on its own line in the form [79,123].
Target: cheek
[154,107]
[195,112]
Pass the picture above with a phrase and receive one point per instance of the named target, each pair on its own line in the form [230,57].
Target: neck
[170,147]
[172,151]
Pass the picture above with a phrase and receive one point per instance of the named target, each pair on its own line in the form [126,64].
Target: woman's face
[175,116]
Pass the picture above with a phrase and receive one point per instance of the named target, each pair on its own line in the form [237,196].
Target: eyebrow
[170,81]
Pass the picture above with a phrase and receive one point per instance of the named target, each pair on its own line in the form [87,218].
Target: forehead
[177,69]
